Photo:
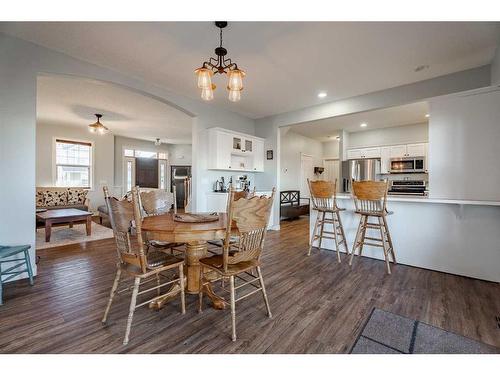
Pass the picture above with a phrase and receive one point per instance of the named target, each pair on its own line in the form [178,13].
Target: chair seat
[7,251]
[373,213]
[163,245]
[216,263]
[158,259]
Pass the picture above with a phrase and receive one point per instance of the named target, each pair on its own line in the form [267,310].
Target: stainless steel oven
[408,165]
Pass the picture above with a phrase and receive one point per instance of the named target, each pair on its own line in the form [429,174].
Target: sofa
[292,205]
[53,198]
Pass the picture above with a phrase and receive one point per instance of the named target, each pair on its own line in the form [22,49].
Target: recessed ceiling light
[363,125]
[427,115]
[322,95]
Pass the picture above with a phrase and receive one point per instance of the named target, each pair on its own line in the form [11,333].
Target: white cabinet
[398,151]
[409,150]
[233,151]
[385,159]
[415,149]
[363,153]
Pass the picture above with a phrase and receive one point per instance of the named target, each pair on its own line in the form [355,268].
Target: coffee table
[64,215]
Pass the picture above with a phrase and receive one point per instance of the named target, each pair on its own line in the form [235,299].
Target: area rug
[388,333]
[64,235]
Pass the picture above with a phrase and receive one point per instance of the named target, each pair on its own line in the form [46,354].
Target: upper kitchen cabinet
[235,151]
[409,150]
[363,153]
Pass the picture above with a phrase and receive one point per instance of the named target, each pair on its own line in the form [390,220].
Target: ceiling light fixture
[157,142]
[322,95]
[364,125]
[220,65]
[337,137]
[97,127]
[427,115]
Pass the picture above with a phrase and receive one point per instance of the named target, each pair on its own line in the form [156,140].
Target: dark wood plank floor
[319,306]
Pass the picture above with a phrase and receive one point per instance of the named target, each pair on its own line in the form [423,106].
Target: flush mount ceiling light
[322,95]
[220,65]
[427,115]
[97,127]
[364,125]
[157,142]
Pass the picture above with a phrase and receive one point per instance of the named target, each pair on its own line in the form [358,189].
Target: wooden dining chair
[159,202]
[324,201]
[370,199]
[133,260]
[250,217]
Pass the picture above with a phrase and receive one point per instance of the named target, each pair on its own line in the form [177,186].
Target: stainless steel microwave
[408,165]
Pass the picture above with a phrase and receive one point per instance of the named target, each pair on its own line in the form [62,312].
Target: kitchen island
[456,236]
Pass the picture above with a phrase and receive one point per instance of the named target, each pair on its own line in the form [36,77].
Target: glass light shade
[234,95]
[208,93]
[204,78]
[236,79]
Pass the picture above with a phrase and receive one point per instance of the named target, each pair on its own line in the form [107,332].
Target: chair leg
[385,246]
[233,308]
[356,240]
[183,294]
[313,234]
[112,294]
[321,230]
[363,234]
[158,282]
[342,233]
[389,239]
[335,237]
[264,293]
[28,266]
[200,293]
[133,301]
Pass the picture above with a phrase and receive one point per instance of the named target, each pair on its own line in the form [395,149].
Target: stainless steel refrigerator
[359,170]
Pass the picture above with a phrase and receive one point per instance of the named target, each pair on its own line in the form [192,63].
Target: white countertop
[425,199]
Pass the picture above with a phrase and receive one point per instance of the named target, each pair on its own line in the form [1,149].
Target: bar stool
[370,199]
[323,198]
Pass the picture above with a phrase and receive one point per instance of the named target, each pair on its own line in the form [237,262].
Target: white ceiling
[326,129]
[287,63]
[73,101]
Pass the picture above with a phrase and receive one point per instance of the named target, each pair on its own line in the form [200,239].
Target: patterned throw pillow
[77,196]
[39,198]
[55,198]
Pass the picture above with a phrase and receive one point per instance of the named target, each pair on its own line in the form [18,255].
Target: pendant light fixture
[97,127]
[220,65]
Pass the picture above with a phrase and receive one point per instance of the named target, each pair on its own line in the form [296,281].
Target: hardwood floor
[319,306]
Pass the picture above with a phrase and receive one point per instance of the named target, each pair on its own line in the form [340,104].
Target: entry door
[306,172]
[332,168]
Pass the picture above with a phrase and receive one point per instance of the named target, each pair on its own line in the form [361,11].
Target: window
[73,163]
[127,152]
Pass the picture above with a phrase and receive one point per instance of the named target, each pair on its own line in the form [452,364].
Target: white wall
[495,68]
[331,149]
[415,133]
[103,157]
[464,144]
[20,64]
[292,146]
[180,154]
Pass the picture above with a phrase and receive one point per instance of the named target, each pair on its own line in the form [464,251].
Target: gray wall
[464,134]
[331,149]
[292,146]
[390,136]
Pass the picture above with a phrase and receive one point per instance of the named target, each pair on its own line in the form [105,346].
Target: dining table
[195,235]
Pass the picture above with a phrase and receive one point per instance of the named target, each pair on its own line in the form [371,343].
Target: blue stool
[8,251]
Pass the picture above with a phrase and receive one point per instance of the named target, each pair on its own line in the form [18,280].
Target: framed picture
[269,154]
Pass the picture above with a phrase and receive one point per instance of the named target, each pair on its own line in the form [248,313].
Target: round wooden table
[195,235]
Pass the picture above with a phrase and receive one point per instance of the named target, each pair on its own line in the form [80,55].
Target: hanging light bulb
[236,79]
[234,95]
[204,77]
[208,93]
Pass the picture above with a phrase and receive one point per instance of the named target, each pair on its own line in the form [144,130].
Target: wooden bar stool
[323,198]
[370,199]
